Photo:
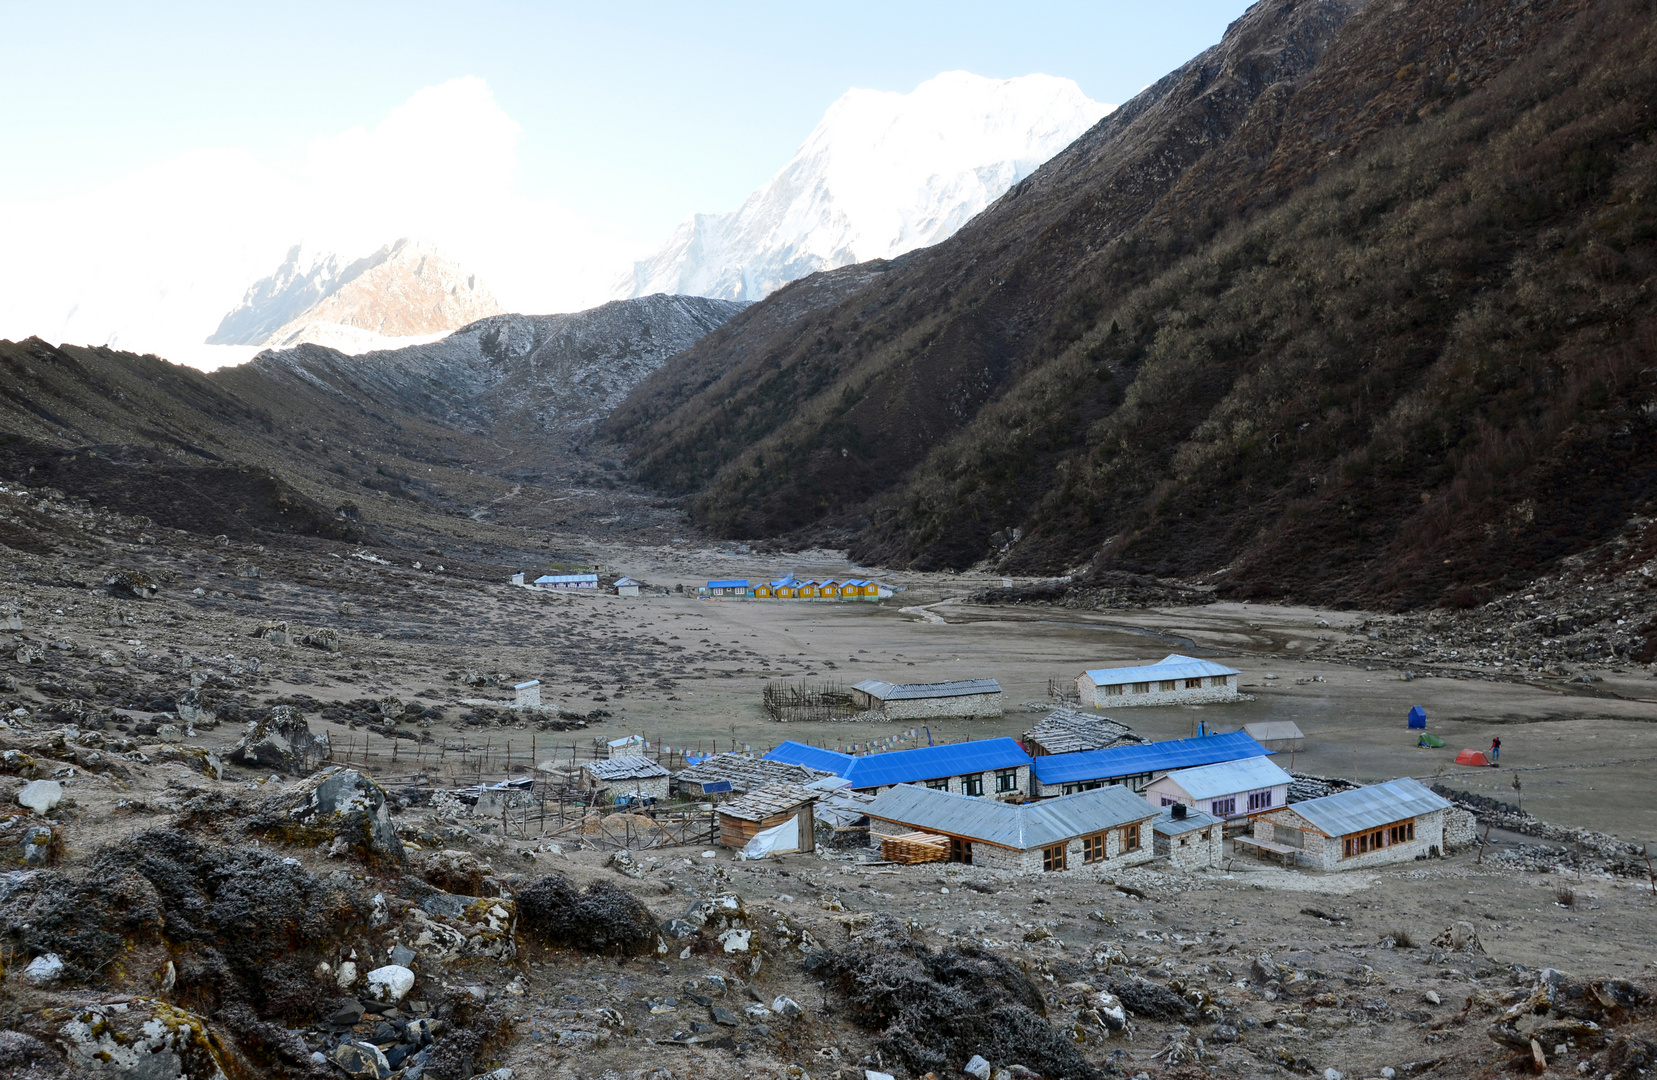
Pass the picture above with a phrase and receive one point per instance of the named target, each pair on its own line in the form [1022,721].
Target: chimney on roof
[1178,811]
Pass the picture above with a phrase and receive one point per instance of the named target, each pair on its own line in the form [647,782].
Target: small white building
[626,586]
[626,746]
[1188,839]
[923,701]
[567,581]
[517,579]
[1099,830]
[1284,735]
[1173,680]
[528,695]
[1226,789]
[617,778]
[1398,821]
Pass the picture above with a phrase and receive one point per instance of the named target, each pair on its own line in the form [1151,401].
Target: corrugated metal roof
[526,685]
[767,802]
[564,579]
[1274,729]
[732,584]
[1168,825]
[1229,777]
[1145,758]
[1031,825]
[789,580]
[885,691]
[907,766]
[628,581]
[1369,807]
[1172,666]
[630,767]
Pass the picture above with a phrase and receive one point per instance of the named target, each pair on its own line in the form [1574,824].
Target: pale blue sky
[633,115]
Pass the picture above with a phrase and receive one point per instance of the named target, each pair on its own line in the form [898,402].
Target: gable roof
[1067,731]
[906,766]
[1229,777]
[1369,807]
[1145,758]
[565,579]
[1030,825]
[1274,729]
[734,583]
[630,767]
[885,691]
[745,773]
[768,801]
[1172,666]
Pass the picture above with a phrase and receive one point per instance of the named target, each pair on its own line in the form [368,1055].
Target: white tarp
[777,839]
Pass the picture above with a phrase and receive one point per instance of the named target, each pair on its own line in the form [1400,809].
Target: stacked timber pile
[915,847]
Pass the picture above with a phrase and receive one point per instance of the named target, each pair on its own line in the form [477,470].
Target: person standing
[1495,750]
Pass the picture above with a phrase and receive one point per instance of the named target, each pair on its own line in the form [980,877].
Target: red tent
[1471,757]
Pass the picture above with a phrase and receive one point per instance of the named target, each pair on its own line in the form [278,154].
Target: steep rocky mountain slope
[314,442]
[406,289]
[1349,308]
[881,174]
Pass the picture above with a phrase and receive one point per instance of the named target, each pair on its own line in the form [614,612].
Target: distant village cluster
[1078,790]
[786,588]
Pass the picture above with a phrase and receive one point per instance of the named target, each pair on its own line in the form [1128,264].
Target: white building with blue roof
[1173,680]
[995,768]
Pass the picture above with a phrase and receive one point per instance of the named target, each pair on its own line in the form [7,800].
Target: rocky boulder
[601,918]
[282,742]
[455,871]
[339,807]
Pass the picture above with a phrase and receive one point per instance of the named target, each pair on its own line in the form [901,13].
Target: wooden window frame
[1094,848]
[1141,687]
[1167,686]
[1222,808]
[1130,837]
[1052,859]
[972,784]
[938,785]
[1006,780]
[1194,684]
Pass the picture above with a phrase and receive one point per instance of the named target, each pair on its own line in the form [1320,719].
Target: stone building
[1103,829]
[1070,731]
[1397,821]
[1173,680]
[924,701]
[620,777]
[1188,838]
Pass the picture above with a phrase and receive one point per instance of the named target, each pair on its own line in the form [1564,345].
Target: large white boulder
[41,796]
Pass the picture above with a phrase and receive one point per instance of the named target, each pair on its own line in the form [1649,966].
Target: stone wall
[931,708]
[1325,853]
[1206,695]
[1195,851]
[1460,829]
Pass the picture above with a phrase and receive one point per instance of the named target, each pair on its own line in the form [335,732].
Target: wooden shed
[740,820]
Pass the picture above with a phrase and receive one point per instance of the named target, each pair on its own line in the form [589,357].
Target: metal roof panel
[1229,777]
[1369,807]
[1022,827]
[1172,666]
[906,766]
[885,691]
[1149,757]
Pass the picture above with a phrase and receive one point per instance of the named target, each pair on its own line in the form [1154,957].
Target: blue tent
[1418,718]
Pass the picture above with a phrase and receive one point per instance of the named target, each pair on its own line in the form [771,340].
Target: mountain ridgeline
[1355,307]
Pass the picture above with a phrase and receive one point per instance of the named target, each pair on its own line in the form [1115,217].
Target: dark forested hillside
[1356,306]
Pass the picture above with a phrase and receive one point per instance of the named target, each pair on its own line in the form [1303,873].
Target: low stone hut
[618,777]
[1188,838]
[924,701]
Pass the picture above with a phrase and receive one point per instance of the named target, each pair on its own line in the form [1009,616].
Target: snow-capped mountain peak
[883,173]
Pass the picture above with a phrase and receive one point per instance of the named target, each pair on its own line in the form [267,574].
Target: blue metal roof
[1172,666]
[789,580]
[1149,757]
[906,766]
[564,579]
[733,584]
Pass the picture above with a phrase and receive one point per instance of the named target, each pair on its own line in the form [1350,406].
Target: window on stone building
[1052,858]
[1130,838]
[973,784]
[1093,848]
[1006,780]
